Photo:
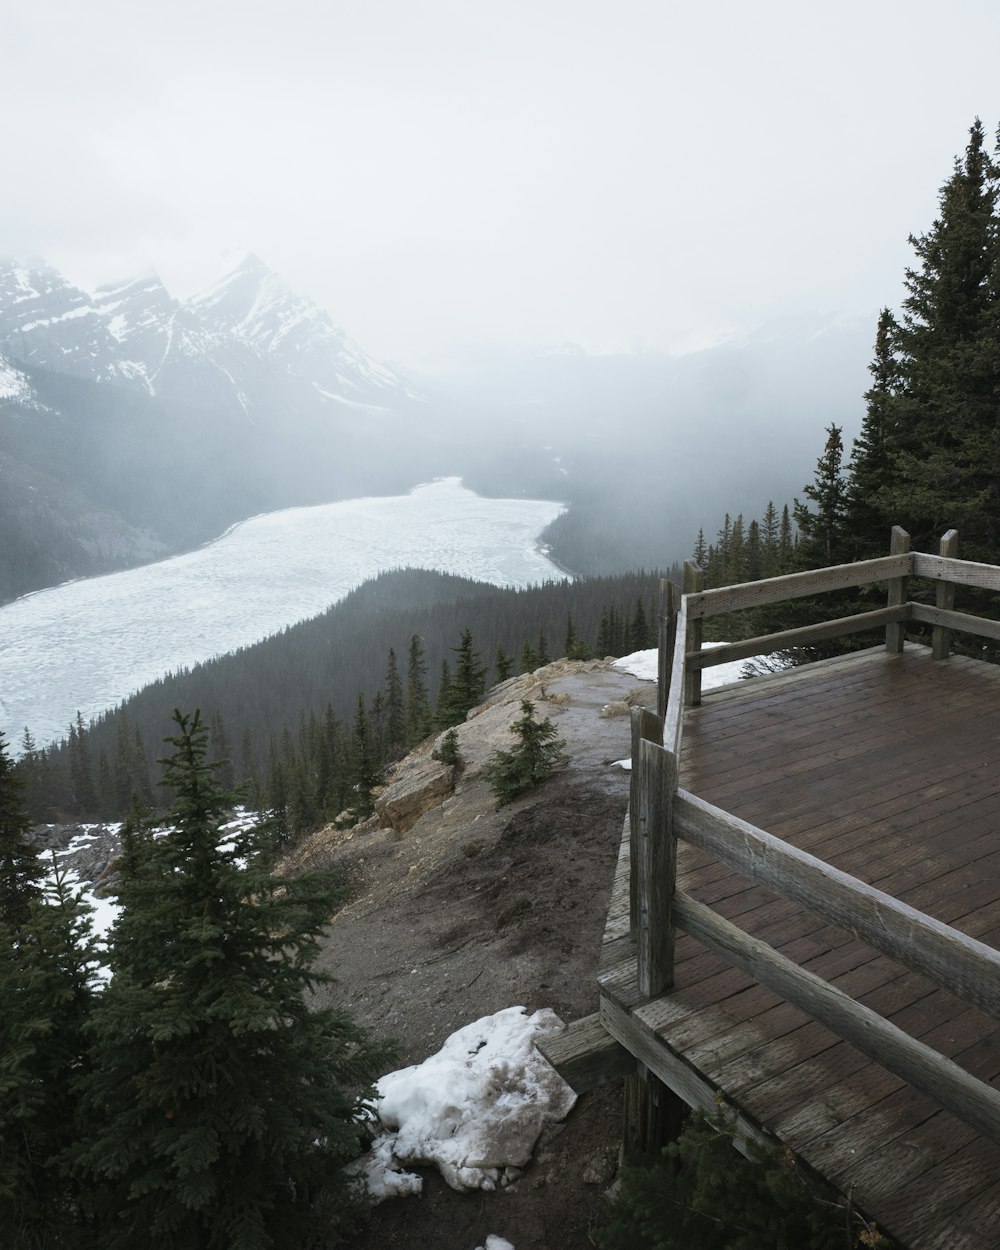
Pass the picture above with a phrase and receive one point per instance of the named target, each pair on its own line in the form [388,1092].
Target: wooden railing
[661,813]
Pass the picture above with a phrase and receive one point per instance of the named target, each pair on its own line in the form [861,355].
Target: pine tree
[466,687]
[395,713]
[418,704]
[47,989]
[543,649]
[873,457]
[221,1107]
[537,755]
[823,530]
[81,771]
[942,419]
[20,871]
[364,764]
[503,664]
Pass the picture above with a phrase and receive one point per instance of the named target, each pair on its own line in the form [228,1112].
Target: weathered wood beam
[955,961]
[899,544]
[646,727]
[961,622]
[670,602]
[797,585]
[673,720]
[656,853]
[945,598]
[653,1115]
[694,582]
[585,1054]
[977,1104]
[962,572]
[674,1071]
[797,637]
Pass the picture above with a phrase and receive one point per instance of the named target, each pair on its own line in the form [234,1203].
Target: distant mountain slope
[169,421]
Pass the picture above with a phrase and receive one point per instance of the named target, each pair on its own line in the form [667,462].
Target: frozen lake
[89,644]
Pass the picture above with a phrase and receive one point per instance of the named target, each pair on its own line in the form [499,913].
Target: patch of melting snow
[474,1110]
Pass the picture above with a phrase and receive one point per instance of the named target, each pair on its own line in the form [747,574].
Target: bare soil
[475,910]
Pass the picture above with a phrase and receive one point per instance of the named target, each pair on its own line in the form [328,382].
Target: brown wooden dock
[887,767]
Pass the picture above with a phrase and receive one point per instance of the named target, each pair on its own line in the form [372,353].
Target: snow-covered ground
[89,644]
[474,1110]
[643,664]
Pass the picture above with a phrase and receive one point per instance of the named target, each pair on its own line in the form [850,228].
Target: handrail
[796,585]
[965,967]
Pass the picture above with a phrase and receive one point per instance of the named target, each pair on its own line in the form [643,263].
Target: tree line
[927,457]
[308,719]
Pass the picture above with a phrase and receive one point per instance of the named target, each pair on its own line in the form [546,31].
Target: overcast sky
[631,176]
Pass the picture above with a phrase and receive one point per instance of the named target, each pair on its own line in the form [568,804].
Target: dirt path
[474,910]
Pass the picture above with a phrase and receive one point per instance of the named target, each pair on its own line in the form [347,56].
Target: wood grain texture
[656,859]
[968,968]
[972,1101]
[945,599]
[798,585]
[899,544]
[961,572]
[800,637]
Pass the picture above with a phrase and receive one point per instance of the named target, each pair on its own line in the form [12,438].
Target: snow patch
[475,1109]
[644,665]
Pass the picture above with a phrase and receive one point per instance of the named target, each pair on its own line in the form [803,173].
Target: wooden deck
[885,766]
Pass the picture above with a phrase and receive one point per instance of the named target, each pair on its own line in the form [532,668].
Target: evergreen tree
[468,684]
[220,1108]
[503,664]
[823,531]
[770,561]
[529,658]
[942,419]
[81,771]
[221,750]
[537,755]
[873,456]
[20,871]
[395,712]
[47,990]
[543,650]
[364,765]
[441,708]
[418,704]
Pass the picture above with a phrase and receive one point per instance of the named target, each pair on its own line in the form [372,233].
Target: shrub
[703,1193]
[537,755]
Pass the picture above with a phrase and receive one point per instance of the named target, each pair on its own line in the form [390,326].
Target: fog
[630,258]
[652,176]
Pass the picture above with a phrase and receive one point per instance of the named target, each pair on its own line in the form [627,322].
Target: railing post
[656,855]
[941,637]
[694,581]
[645,728]
[670,598]
[899,545]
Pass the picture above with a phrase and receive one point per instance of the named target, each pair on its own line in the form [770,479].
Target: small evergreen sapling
[536,756]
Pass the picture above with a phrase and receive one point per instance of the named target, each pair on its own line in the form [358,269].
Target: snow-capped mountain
[48,323]
[259,309]
[231,345]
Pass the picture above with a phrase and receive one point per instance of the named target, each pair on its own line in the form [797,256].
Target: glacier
[86,645]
